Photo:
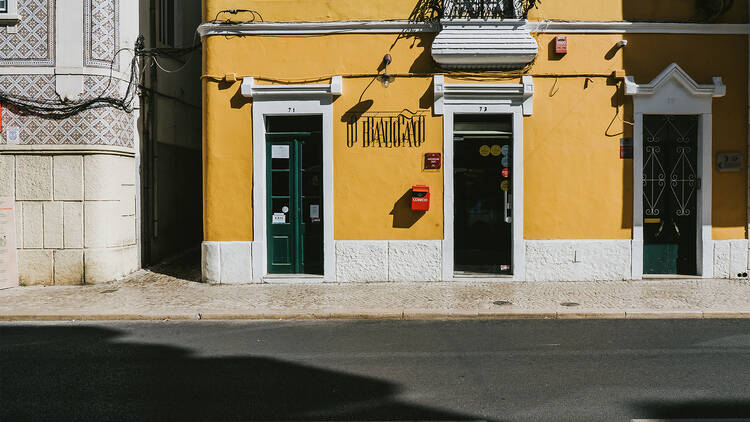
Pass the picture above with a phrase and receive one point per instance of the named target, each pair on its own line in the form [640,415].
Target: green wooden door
[670,191]
[294,203]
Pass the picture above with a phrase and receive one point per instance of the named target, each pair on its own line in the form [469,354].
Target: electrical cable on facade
[61,109]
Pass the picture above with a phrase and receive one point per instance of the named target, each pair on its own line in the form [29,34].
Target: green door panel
[294,163]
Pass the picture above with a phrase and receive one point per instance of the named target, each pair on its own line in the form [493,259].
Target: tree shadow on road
[84,373]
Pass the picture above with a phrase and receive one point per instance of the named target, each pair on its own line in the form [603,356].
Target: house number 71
[291,109]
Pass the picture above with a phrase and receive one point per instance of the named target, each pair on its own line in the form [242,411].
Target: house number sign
[385,129]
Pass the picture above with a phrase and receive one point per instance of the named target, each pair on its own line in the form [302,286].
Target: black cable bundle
[59,109]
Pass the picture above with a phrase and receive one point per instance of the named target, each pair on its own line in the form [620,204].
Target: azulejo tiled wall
[34,43]
[101,23]
[101,126]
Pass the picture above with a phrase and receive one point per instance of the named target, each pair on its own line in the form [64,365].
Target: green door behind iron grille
[294,203]
[670,190]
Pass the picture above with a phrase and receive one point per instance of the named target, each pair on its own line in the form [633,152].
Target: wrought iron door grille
[667,140]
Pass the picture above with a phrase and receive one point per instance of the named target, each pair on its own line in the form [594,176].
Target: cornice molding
[448,94]
[675,72]
[404,26]
[301,28]
[624,27]
[251,90]
[66,150]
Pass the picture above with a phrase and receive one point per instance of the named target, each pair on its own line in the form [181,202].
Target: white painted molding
[484,94]
[404,26]
[625,27]
[336,27]
[509,99]
[484,44]
[675,72]
[673,91]
[250,89]
[302,103]
[66,150]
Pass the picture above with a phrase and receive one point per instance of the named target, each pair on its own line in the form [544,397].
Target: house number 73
[482,108]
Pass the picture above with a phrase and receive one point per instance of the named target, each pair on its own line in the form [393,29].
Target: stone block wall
[75,216]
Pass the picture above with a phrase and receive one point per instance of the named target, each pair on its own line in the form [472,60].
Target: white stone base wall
[227,262]
[75,216]
[578,260]
[730,258]
[388,260]
[421,260]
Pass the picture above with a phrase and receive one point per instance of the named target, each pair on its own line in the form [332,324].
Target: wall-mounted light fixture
[386,78]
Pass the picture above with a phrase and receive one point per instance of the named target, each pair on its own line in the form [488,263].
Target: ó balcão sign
[385,130]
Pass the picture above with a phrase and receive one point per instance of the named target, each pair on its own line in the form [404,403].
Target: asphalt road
[376,370]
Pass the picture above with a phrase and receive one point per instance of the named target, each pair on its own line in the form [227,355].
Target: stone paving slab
[151,295]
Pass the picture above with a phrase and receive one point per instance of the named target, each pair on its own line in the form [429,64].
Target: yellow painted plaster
[576,186]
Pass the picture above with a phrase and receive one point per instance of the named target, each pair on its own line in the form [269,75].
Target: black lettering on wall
[386,130]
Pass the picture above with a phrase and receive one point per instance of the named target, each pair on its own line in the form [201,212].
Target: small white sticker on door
[315,212]
[279,218]
[280,151]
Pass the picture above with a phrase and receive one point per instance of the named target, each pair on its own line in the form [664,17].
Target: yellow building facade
[559,140]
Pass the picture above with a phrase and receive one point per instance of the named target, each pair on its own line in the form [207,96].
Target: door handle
[658,232]
[508,207]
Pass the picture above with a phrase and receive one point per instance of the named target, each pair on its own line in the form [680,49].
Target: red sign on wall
[432,161]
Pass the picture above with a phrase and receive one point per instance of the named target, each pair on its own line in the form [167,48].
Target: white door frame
[290,100]
[675,92]
[512,99]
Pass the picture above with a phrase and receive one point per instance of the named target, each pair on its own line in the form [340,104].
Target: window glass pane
[3,5]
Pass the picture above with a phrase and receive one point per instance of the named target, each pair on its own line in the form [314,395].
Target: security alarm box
[561,44]
[420,198]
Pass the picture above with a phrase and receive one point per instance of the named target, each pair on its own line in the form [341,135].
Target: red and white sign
[561,44]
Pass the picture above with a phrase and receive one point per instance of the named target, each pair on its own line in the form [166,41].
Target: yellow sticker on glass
[505,185]
[496,150]
[484,150]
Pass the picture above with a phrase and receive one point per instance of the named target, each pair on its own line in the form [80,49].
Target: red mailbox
[420,198]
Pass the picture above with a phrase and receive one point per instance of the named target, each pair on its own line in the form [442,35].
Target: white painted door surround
[291,100]
[673,91]
[513,99]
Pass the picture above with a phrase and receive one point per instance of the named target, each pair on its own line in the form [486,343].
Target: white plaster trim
[475,95]
[250,89]
[484,44]
[298,104]
[66,149]
[404,26]
[335,27]
[514,99]
[675,92]
[626,27]
[578,260]
[675,72]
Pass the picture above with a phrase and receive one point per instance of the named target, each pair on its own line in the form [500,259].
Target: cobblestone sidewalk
[172,292]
